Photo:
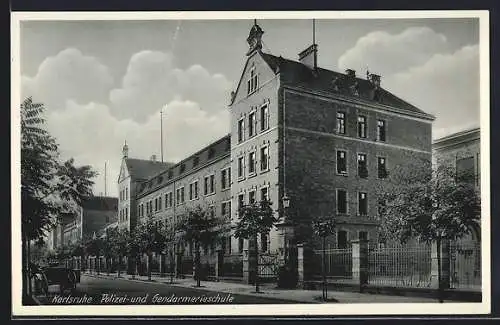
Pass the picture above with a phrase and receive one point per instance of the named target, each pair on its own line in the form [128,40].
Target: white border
[275,310]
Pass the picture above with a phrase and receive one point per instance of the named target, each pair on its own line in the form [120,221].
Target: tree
[430,205]
[324,228]
[199,227]
[95,248]
[107,248]
[149,239]
[48,188]
[254,219]
[119,239]
[169,234]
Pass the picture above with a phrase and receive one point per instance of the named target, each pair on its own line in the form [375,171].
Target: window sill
[241,178]
[264,171]
[210,194]
[342,174]
[225,189]
[251,175]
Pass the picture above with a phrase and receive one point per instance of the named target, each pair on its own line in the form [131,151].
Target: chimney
[309,56]
[350,73]
[153,157]
[374,80]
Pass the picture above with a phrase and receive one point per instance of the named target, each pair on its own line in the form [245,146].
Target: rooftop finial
[125,150]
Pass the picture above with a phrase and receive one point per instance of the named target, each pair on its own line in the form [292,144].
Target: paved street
[98,291]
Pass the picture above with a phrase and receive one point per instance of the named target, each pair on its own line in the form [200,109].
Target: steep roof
[102,203]
[294,73]
[144,169]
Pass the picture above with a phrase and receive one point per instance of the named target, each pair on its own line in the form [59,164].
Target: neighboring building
[94,215]
[132,173]
[461,150]
[323,139]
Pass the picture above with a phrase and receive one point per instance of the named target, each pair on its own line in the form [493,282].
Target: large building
[320,140]
[94,215]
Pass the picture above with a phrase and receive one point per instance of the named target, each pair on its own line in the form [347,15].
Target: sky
[105,82]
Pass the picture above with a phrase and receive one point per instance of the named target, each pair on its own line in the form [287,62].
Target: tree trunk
[98,266]
[256,264]
[28,246]
[172,265]
[440,280]
[197,267]
[149,266]
[323,269]
[26,276]
[119,264]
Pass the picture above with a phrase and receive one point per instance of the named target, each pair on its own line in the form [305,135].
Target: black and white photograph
[250,163]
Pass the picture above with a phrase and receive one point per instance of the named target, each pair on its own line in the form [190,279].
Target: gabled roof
[101,203]
[294,73]
[143,169]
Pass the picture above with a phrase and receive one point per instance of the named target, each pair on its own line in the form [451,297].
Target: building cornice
[457,138]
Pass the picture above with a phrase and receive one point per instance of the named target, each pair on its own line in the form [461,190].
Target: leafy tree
[150,239]
[108,248]
[169,234]
[120,239]
[324,227]
[430,205]
[48,188]
[254,219]
[95,248]
[201,228]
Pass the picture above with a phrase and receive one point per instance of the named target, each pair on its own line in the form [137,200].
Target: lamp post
[286,227]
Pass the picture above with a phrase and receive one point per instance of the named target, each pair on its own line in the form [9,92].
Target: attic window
[196,161]
[228,145]
[355,89]
[170,173]
[183,168]
[150,184]
[160,179]
[253,81]
[335,83]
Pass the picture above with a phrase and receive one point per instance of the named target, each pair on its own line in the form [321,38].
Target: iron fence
[337,263]
[268,266]
[400,266]
[465,265]
[232,266]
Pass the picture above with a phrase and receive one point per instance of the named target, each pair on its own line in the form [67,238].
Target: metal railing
[400,266]
[337,263]
[465,265]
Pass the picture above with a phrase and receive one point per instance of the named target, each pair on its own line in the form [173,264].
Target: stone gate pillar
[360,262]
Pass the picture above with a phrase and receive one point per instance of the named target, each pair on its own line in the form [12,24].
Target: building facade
[462,151]
[321,140]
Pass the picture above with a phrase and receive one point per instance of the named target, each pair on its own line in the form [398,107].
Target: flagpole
[161,133]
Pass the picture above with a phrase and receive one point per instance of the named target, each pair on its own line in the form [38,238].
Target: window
[381,167]
[263,242]
[362,169]
[180,195]
[264,117]
[196,161]
[241,201]
[182,168]
[241,130]
[196,189]
[251,124]
[209,186]
[381,130]
[251,163]
[126,193]
[142,210]
[264,158]
[340,122]
[205,186]
[362,204]
[240,245]
[191,191]
[226,208]
[341,202]
[225,178]
[211,211]
[211,153]
[465,170]
[139,210]
[363,235]
[253,81]
[251,197]
[156,204]
[241,167]
[381,207]
[126,213]
[159,203]
[264,195]
[341,162]
[362,126]
[342,239]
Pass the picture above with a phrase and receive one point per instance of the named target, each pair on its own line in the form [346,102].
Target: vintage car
[55,274]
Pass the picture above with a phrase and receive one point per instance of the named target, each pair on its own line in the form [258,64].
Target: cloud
[151,81]
[92,135]
[386,53]
[418,66]
[68,75]
[447,85]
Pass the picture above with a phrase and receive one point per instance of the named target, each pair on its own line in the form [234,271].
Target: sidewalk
[270,291]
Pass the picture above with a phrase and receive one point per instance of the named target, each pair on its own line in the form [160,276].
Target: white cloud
[68,75]
[417,66]
[92,135]
[386,53]
[151,81]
